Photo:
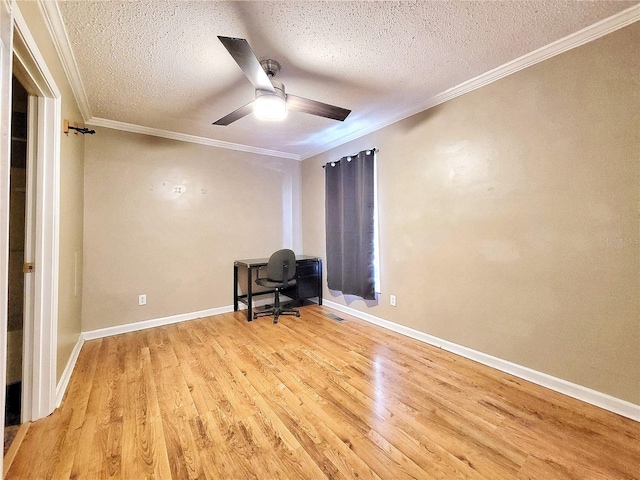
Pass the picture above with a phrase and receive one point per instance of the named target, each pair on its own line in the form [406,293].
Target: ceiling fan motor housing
[270,67]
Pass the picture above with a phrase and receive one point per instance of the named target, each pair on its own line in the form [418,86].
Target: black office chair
[281,270]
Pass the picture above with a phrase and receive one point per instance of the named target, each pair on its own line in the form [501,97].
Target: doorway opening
[18,201]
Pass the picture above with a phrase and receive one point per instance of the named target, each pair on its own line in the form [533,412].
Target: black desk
[308,285]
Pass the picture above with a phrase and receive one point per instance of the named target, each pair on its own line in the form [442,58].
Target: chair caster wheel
[297,314]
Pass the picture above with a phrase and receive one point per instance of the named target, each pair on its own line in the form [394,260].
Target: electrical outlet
[392,300]
[142,299]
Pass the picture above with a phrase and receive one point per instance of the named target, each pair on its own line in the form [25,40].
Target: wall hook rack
[66,127]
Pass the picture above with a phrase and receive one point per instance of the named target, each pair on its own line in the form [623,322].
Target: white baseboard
[155,322]
[593,397]
[61,388]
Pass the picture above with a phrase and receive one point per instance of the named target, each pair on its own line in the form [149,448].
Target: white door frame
[6,27]
[41,322]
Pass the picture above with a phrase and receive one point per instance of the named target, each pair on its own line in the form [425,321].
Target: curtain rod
[375,150]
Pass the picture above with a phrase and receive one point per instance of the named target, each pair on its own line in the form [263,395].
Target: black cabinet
[309,280]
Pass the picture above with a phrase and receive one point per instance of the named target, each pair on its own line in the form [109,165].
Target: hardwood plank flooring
[311,398]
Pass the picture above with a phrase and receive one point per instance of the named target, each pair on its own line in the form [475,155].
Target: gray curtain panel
[349,208]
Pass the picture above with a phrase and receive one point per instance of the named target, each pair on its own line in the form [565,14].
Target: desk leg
[249,294]
[235,288]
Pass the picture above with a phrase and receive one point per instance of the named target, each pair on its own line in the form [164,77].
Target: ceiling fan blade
[245,58]
[316,108]
[236,115]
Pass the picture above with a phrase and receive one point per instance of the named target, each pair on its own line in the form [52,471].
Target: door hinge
[28,267]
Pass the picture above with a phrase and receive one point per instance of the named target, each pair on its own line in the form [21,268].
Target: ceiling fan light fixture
[271,105]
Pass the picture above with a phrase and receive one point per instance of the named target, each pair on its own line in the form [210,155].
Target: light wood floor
[311,398]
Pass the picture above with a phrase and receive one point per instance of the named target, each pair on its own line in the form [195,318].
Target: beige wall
[71,195]
[142,237]
[509,217]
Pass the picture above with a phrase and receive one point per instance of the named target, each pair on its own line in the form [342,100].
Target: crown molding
[52,17]
[581,37]
[183,137]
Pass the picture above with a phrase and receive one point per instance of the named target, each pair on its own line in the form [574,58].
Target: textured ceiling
[159,64]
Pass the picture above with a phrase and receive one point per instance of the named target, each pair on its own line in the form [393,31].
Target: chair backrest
[276,263]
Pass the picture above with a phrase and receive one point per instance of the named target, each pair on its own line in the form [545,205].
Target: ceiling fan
[271,102]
